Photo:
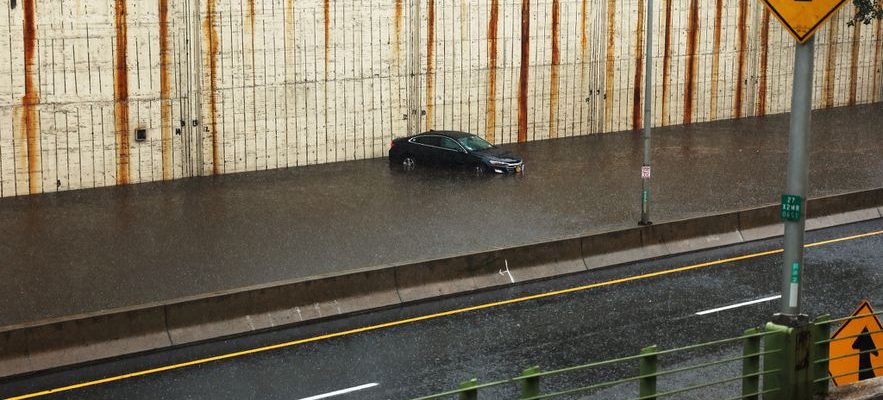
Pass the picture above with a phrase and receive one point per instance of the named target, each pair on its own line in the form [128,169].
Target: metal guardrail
[648,373]
[795,361]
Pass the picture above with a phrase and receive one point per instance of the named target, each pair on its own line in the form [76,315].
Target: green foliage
[866,11]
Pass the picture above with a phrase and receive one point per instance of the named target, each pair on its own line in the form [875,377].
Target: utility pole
[794,199]
[648,123]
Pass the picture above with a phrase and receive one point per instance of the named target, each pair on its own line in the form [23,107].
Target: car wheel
[479,169]
[409,162]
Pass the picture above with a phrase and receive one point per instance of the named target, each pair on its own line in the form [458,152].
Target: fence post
[751,365]
[647,371]
[792,361]
[531,386]
[778,362]
[820,353]
[469,394]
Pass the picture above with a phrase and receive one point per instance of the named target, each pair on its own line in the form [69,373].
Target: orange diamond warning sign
[803,17]
[857,348]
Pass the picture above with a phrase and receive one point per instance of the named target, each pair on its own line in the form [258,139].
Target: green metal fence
[780,361]
[648,372]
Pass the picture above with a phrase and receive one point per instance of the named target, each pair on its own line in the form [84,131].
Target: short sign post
[856,350]
[802,18]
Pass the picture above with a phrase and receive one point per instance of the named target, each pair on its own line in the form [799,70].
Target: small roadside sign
[792,207]
[802,18]
[645,172]
[856,350]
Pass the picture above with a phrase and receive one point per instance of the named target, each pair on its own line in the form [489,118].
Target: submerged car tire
[408,162]
[479,169]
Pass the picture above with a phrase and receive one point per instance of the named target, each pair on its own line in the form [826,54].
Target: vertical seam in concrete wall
[715,60]
[692,60]
[211,35]
[121,93]
[397,44]
[30,100]
[524,72]
[583,43]
[610,67]
[493,26]
[828,94]
[740,68]
[639,62]
[165,90]
[853,62]
[666,64]
[556,58]
[764,59]
[430,59]
[877,69]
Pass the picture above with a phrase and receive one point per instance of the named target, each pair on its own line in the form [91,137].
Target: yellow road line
[428,317]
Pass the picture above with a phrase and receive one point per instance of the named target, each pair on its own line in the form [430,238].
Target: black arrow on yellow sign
[865,344]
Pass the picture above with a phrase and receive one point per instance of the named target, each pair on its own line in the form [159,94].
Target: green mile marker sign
[792,207]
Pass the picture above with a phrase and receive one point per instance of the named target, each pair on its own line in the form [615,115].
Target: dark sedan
[453,149]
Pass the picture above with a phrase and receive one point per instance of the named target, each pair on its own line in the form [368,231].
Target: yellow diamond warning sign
[803,17]
[857,348]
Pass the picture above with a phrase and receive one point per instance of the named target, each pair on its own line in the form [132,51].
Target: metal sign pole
[794,201]
[648,123]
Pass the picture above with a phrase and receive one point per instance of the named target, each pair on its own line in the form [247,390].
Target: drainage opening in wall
[140,135]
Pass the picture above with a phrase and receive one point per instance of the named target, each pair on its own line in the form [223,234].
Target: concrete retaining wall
[56,343]
[111,92]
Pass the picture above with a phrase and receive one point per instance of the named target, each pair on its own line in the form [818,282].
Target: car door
[454,154]
[427,150]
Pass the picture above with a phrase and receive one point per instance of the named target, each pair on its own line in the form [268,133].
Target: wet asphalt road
[96,250]
[434,355]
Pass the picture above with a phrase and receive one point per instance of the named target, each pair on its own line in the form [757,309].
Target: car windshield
[474,143]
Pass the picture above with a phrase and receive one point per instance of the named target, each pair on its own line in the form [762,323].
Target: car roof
[451,134]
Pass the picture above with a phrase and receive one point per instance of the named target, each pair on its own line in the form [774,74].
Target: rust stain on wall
[764,61]
[639,62]
[430,58]
[610,70]
[31,99]
[715,60]
[692,60]
[830,66]
[853,63]
[556,59]
[250,16]
[523,73]
[211,35]
[878,74]
[165,90]
[397,44]
[740,68]
[666,63]
[583,43]
[492,26]
[121,93]
[327,21]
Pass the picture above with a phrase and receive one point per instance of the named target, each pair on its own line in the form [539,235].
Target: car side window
[429,141]
[450,144]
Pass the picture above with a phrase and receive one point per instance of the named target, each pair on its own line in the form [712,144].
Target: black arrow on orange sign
[865,344]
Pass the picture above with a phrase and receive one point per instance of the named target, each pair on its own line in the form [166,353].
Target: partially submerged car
[453,149]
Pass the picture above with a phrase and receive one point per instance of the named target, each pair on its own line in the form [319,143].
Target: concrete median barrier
[78,339]
[266,308]
[700,233]
[760,223]
[622,247]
